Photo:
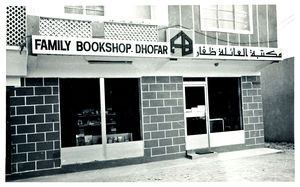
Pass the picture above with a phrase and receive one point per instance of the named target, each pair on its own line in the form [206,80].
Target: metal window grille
[15,25]
[65,28]
[133,32]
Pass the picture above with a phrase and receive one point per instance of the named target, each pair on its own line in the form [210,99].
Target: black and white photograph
[148,91]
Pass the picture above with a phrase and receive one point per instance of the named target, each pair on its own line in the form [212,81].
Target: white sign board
[97,47]
[236,52]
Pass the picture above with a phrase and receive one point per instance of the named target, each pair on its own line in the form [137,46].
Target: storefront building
[155,86]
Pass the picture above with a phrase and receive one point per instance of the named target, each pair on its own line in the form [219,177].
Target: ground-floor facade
[61,121]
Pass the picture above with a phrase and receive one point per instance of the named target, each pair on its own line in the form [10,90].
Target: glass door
[196,118]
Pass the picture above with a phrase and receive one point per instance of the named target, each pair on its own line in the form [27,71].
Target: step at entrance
[194,154]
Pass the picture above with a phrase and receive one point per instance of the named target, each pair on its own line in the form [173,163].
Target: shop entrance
[196,115]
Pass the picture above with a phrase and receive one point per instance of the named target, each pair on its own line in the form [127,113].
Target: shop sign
[97,47]
[236,52]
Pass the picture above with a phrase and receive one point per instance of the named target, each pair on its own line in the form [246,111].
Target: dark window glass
[224,104]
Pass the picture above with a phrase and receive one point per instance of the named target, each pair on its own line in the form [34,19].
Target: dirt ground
[266,167]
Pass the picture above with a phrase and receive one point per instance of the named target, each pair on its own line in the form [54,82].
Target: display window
[83,122]
[224,104]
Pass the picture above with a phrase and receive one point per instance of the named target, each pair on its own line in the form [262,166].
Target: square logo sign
[181,42]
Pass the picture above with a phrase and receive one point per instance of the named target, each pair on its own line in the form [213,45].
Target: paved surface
[262,164]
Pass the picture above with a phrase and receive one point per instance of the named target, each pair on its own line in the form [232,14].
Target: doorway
[196,115]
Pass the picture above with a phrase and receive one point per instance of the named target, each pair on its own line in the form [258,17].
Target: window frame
[238,31]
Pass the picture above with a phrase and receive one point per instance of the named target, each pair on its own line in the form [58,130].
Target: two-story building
[96,84]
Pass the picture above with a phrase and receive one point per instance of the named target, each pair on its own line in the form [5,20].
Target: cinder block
[150,143]
[43,109]
[174,117]
[44,146]
[173,149]
[252,78]
[34,100]
[178,124]
[247,99]
[179,140]
[54,90]
[164,110]
[36,156]
[177,110]
[24,91]
[57,145]
[170,102]
[253,105]
[42,90]
[147,152]
[15,101]
[16,139]
[164,126]
[172,133]
[158,151]
[246,85]
[156,87]
[156,103]
[51,81]
[27,147]
[26,166]
[22,129]
[145,87]
[148,79]
[247,134]
[254,134]
[150,127]
[163,95]
[149,111]
[35,118]
[34,82]
[163,79]
[248,113]
[56,108]
[16,120]
[149,95]
[179,87]
[259,140]
[258,112]
[53,154]
[158,118]
[157,134]
[250,141]
[253,119]
[166,141]
[170,87]
[35,137]
[182,148]
[176,79]
[176,94]
[51,99]
[252,92]
[52,136]
[52,117]
[257,99]
[146,103]
[18,158]
[44,127]
[45,164]
[249,127]
[146,119]
[180,102]
[147,136]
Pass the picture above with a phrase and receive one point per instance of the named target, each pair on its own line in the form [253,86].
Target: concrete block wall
[163,113]
[252,110]
[34,115]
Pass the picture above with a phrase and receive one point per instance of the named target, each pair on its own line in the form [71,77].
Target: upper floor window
[227,18]
[85,10]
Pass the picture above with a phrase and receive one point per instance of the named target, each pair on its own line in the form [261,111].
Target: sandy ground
[267,167]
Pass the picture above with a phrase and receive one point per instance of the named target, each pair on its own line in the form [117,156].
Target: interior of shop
[81,111]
